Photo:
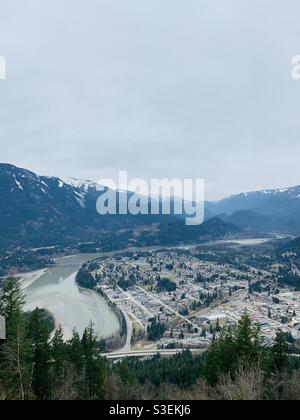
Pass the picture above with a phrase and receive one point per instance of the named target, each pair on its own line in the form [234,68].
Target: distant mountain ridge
[45,210]
[277,209]
[41,211]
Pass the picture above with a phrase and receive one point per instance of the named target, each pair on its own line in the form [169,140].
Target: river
[55,289]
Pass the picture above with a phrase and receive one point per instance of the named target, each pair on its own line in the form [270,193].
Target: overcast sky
[161,88]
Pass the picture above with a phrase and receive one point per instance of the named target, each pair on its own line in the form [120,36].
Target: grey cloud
[173,88]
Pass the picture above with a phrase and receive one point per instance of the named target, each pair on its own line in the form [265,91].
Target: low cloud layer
[173,88]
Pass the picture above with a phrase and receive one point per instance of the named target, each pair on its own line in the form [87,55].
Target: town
[175,299]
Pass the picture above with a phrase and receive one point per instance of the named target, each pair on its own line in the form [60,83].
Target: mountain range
[38,211]
[277,210]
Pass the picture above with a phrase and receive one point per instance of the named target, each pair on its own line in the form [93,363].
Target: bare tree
[248,385]
[14,367]
[67,390]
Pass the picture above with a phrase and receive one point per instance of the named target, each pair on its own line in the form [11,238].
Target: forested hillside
[237,366]
[38,211]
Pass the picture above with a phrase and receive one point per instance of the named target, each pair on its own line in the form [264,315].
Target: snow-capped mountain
[81,184]
[277,209]
[37,211]
[18,183]
[34,207]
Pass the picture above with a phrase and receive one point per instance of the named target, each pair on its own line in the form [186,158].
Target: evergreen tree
[11,305]
[235,346]
[280,352]
[14,355]
[94,366]
[156,330]
[75,352]
[221,357]
[247,340]
[126,374]
[41,355]
[58,353]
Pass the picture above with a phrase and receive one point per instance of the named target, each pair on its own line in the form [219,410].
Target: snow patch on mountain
[81,184]
[18,183]
[293,192]
[80,198]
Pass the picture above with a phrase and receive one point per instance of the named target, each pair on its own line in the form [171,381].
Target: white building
[2,328]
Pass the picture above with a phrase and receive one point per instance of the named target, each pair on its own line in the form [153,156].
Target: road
[168,308]
[147,353]
[127,346]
